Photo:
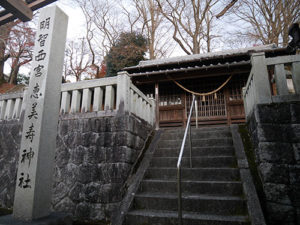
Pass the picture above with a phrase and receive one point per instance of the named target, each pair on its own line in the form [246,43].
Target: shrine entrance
[224,107]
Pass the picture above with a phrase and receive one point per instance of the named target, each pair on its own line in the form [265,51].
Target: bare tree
[78,59]
[153,27]
[187,19]
[208,31]
[132,14]
[267,21]
[226,8]
[103,26]
[102,18]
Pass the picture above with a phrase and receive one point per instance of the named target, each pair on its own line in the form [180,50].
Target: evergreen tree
[128,50]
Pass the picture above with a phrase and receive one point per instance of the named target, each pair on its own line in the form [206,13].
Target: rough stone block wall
[10,140]
[94,157]
[275,131]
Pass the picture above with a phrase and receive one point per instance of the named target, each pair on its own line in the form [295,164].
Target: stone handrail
[258,87]
[112,94]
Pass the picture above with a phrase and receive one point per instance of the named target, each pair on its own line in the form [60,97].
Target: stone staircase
[212,190]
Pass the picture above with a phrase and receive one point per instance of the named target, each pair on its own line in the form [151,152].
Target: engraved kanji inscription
[38,70]
[24,182]
[27,156]
[36,92]
[45,24]
[41,56]
[30,133]
[42,39]
[33,113]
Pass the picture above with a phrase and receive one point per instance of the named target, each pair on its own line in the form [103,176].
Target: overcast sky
[76,29]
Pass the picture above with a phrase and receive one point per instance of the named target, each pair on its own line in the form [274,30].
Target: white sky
[76,28]
[76,18]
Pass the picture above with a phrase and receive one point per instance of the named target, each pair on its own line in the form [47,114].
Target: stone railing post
[98,99]
[17,108]
[75,102]
[261,78]
[3,104]
[9,109]
[86,100]
[123,92]
[153,112]
[296,76]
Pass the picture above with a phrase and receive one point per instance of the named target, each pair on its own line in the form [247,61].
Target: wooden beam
[6,16]
[162,78]
[18,8]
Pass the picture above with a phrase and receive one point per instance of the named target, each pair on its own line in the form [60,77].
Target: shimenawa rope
[197,93]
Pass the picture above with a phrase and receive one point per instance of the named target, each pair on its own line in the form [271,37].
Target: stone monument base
[52,219]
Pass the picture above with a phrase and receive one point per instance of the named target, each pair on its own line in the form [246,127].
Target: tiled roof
[201,57]
[211,63]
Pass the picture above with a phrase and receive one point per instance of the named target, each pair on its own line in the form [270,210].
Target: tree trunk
[1,71]
[14,74]
[4,34]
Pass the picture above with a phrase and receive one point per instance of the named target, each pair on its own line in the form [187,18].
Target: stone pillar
[36,158]
[144,110]
[147,112]
[296,77]
[17,109]
[153,111]
[131,100]
[98,99]
[3,104]
[156,106]
[86,100]
[134,106]
[65,102]
[280,78]
[75,104]
[261,78]
[109,97]
[9,109]
[123,87]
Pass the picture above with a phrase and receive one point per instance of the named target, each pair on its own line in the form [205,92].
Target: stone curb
[255,212]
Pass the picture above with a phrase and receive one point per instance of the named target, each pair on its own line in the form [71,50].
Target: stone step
[202,174]
[192,187]
[209,142]
[197,135]
[154,217]
[197,162]
[196,151]
[198,130]
[204,204]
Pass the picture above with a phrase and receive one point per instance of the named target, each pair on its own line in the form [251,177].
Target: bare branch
[227,7]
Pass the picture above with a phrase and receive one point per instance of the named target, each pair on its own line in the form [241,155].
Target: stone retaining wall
[275,132]
[93,159]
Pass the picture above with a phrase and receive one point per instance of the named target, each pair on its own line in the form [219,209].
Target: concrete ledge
[88,115]
[255,212]
[11,95]
[286,98]
[52,219]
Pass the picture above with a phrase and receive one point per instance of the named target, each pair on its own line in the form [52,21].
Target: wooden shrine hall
[170,81]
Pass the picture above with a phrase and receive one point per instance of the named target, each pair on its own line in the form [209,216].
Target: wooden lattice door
[171,105]
[234,100]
